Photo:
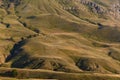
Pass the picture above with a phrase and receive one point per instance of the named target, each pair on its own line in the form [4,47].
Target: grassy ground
[47,74]
[41,34]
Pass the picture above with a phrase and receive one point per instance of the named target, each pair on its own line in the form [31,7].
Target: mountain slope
[71,36]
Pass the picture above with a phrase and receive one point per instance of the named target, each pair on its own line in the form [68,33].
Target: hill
[65,37]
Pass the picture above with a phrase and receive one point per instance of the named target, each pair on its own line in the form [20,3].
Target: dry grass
[68,44]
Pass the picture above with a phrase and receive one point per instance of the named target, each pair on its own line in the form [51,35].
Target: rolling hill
[60,39]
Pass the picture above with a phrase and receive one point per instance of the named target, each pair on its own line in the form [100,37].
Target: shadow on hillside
[16,49]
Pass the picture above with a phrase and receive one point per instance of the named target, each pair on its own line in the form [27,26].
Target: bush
[37,30]
[14,73]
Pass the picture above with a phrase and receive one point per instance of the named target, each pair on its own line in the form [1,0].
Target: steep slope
[71,36]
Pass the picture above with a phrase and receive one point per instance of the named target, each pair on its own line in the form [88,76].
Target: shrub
[14,73]
[37,30]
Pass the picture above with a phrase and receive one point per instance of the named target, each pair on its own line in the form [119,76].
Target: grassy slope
[70,42]
[46,74]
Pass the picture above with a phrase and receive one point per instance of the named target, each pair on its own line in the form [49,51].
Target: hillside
[60,38]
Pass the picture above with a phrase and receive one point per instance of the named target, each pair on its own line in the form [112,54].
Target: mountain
[60,39]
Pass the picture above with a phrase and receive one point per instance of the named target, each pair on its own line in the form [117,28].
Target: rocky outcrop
[7,3]
[115,10]
[96,8]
